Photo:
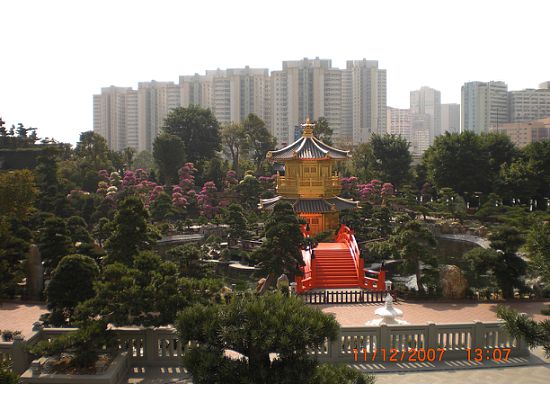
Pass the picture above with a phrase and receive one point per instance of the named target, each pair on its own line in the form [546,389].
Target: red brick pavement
[441,312]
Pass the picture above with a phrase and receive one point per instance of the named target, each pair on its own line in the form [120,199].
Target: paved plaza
[513,375]
[17,316]
[438,312]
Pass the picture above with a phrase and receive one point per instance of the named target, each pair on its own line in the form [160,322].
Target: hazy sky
[56,54]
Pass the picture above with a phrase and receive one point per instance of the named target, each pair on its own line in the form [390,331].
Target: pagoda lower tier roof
[313,206]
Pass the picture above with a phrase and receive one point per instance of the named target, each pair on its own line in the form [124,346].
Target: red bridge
[338,265]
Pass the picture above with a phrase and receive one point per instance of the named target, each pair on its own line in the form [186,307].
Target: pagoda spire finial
[308,128]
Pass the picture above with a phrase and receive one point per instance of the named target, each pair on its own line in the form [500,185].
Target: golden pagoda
[310,182]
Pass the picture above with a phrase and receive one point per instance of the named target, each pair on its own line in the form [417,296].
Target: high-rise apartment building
[421,135]
[399,122]
[450,118]
[353,100]
[529,104]
[305,89]
[194,89]
[427,101]
[155,100]
[483,104]
[231,94]
[524,133]
[115,116]
[366,97]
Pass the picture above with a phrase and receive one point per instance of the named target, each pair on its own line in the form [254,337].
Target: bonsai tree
[255,326]
[520,326]
[131,232]
[6,374]
[85,345]
[72,282]
[281,252]
[414,243]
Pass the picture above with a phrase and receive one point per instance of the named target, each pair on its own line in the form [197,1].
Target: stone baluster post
[430,342]
[150,351]
[477,339]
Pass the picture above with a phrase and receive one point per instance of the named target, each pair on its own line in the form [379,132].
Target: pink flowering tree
[349,187]
[207,200]
[371,192]
[187,177]
[230,181]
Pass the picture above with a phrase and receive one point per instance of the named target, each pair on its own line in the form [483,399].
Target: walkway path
[485,243]
[18,316]
[438,312]
[534,369]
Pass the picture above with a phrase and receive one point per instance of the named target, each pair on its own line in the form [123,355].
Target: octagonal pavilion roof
[308,147]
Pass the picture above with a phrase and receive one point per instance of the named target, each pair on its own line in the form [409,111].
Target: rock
[282,282]
[452,282]
[35,274]
[260,284]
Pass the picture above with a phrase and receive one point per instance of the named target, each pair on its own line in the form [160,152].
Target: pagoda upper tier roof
[308,147]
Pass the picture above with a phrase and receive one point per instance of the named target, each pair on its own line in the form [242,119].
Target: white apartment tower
[194,90]
[231,94]
[353,100]
[365,95]
[399,122]
[427,101]
[450,117]
[483,104]
[305,89]
[155,100]
[529,104]
[115,116]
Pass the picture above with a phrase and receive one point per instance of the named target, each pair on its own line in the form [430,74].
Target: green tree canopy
[54,242]
[255,327]
[17,192]
[414,243]
[236,220]
[520,326]
[131,233]
[390,158]
[14,245]
[467,162]
[149,292]
[91,155]
[144,160]
[197,128]
[498,266]
[361,161]
[323,131]
[71,283]
[169,155]
[457,161]
[529,175]
[280,252]
[258,139]
[234,143]
[538,246]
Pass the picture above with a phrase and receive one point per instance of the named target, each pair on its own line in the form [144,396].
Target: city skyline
[65,53]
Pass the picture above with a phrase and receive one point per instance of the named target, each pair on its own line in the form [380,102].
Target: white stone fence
[451,341]
[160,347]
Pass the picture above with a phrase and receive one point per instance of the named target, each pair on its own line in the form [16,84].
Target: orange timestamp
[495,354]
[395,355]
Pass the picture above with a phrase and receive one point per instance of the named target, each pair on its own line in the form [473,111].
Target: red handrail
[345,235]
